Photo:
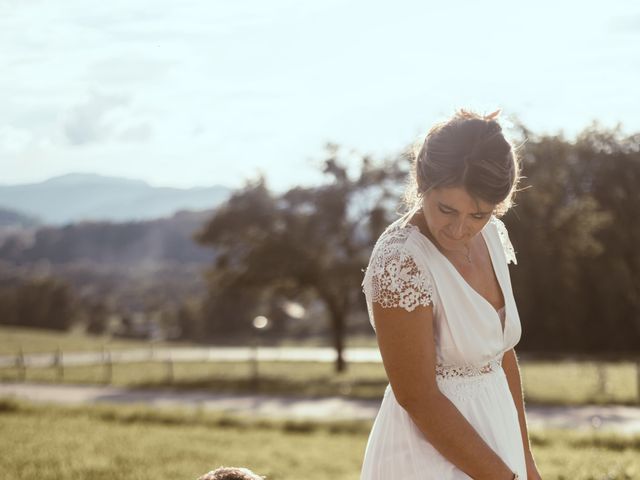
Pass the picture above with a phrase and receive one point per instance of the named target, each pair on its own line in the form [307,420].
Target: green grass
[563,383]
[138,443]
[33,340]
[106,442]
[299,378]
[568,383]
[577,383]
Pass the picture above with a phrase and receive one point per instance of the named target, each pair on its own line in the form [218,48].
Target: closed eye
[443,210]
[475,216]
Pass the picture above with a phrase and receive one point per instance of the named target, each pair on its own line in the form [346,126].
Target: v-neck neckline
[465,282]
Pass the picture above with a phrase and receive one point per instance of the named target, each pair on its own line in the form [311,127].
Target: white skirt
[397,449]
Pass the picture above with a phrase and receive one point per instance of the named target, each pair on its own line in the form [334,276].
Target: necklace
[468,254]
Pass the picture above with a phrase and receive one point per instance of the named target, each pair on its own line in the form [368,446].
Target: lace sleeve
[393,279]
[506,242]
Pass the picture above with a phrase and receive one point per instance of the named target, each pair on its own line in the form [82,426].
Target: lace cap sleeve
[506,242]
[393,279]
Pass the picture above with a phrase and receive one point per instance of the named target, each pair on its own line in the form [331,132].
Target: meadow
[33,340]
[544,382]
[567,383]
[139,443]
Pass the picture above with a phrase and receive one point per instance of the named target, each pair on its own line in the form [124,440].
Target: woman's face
[454,217]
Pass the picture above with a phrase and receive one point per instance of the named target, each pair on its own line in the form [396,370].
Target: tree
[41,303]
[308,239]
[574,227]
[576,233]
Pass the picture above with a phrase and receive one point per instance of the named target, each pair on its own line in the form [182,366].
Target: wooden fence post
[21,366]
[58,363]
[254,362]
[602,378]
[638,378]
[169,364]
[107,366]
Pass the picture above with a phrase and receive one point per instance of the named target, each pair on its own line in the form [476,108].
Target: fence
[254,355]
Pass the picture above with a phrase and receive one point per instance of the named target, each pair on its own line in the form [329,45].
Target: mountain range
[82,196]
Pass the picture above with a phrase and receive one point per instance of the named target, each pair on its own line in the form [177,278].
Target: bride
[439,297]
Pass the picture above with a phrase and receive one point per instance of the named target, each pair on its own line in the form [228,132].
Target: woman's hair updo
[469,151]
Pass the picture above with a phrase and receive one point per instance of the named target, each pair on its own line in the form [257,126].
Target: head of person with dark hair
[464,172]
[469,151]
[231,473]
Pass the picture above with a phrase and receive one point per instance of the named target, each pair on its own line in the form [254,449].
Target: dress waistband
[468,371]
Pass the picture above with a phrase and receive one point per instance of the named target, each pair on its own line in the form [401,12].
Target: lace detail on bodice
[468,370]
[506,242]
[393,278]
[467,381]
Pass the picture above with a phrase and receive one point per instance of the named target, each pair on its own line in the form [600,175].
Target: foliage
[576,234]
[44,303]
[102,242]
[575,230]
[307,239]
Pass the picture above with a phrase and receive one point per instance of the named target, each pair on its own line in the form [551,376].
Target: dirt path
[619,418]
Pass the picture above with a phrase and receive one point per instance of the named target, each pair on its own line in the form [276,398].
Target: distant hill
[77,196]
[131,266]
[133,243]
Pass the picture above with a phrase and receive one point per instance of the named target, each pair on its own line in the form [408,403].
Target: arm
[512,371]
[408,353]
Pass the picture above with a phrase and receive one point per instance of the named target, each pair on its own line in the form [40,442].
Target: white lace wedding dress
[407,270]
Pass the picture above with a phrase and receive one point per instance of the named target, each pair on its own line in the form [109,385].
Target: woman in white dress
[439,296]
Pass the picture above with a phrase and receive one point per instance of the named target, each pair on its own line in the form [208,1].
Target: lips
[453,238]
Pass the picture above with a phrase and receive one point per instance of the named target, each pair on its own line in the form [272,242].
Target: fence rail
[254,355]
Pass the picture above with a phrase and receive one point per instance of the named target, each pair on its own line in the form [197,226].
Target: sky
[213,92]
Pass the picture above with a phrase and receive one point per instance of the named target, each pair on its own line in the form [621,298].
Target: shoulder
[393,278]
[393,248]
[503,237]
[395,239]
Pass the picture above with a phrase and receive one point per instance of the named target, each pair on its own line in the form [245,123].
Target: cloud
[129,70]
[93,120]
[14,140]
[136,133]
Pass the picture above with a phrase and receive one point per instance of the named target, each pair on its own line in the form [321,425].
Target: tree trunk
[337,312]
[337,331]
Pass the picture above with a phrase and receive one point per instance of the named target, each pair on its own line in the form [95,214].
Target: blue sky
[197,92]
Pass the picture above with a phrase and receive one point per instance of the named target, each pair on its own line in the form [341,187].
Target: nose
[457,229]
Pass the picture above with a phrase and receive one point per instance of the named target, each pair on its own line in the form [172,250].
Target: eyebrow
[451,208]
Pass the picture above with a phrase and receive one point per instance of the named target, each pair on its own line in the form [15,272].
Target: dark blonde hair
[468,150]
[231,473]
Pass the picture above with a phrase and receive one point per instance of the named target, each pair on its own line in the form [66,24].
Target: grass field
[544,383]
[33,340]
[135,443]
[569,383]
